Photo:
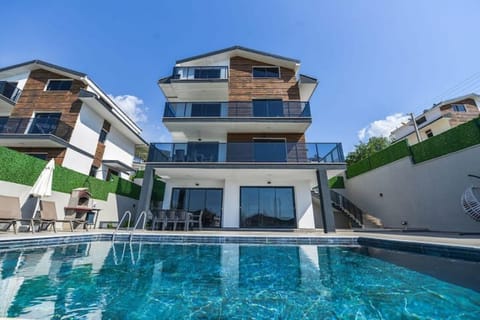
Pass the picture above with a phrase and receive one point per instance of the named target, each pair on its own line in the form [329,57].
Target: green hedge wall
[23,169]
[393,153]
[458,138]
[336,183]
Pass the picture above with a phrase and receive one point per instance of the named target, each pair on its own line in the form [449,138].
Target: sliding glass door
[267,207]
[196,199]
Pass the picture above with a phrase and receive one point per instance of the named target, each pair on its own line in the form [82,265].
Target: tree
[364,150]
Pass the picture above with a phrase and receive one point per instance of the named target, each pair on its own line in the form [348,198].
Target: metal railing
[346,205]
[246,152]
[9,91]
[125,215]
[143,215]
[200,73]
[243,109]
[35,126]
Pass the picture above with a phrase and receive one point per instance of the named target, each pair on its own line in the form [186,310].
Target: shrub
[336,183]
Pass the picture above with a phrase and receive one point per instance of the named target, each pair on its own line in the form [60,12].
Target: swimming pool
[224,281]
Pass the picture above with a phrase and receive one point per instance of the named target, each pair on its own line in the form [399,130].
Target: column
[325,202]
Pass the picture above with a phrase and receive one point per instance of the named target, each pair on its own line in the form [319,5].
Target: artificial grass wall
[336,183]
[458,138]
[455,139]
[23,169]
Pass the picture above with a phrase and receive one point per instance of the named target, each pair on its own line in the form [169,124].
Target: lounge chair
[170,217]
[48,217]
[10,213]
[182,216]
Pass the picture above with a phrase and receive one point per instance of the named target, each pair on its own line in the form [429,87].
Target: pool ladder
[129,215]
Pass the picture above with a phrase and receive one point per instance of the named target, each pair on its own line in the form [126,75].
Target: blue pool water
[168,281]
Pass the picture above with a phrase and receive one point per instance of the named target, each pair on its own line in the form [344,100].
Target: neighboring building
[238,119]
[441,117]
[49,112]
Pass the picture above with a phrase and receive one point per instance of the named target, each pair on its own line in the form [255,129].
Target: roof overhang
[214,57]
[118,165]
[307,86]
[39,64]
[185,91]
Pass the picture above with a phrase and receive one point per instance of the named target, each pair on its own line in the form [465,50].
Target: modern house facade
[49,111]
[440,118]
[238,118]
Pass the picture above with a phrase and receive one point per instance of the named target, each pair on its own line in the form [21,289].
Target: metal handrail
[347,205]
[144,214]
[127,213]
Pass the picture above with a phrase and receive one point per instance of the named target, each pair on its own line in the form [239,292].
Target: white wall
[87,130]
[426,195]
[231,196]
[77,161]
[111,209]
[118,147]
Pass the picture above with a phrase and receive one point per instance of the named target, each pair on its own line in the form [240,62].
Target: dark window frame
[102,137]
[207,73]
[459,107]
[59,85]
[292,188]
[93,171]
[50,119]
[261,72]
[429,133]
[39,155]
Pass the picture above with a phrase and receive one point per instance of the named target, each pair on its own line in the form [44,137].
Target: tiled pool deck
[467,248]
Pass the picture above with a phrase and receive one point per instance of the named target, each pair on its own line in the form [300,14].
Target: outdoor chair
[10,213]
[170,217]
[48,217]
[195,219]
[182,216]
[159,216]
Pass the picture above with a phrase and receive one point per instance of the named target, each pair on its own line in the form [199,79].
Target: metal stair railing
[126,214]
[470,200]
[345,205]
[142,214]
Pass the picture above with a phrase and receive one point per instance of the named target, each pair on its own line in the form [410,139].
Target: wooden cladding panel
[243,87]
[52,153]
[248,137]
[457,118]
[34,99]
[97,160]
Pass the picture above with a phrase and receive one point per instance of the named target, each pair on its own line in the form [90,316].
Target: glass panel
[267,207]
[3,122]
[196,199]
[55,85]
[207,73]
[45,123]
[202,152]
[270,151]
[206,109]
[265,72]
[267,108]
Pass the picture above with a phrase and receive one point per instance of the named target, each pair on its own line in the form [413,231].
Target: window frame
[92,173]
[456,105]
[105,136]
[43,155]
[266,67]
[429,133]
[63,90]
[34,117]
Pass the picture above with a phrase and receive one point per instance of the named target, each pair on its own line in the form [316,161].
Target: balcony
[249,109]
[245,152]
[40,132]
[200,73]
[199,83]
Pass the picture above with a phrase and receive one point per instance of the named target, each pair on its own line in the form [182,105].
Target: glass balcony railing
[246,152]
[200,73]
[35,126]
[9,91]
[248,109]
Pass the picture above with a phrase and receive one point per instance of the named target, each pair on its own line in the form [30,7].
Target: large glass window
[270,150]
[266,72]
[59,85]
[206,109]
[207,73]
[45,123]
[268,108]
[197,199]
[267,207]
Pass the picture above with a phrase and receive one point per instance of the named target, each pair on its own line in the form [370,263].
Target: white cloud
[132,106]
[382,128]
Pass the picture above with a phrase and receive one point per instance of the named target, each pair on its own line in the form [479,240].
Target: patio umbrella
[43,186]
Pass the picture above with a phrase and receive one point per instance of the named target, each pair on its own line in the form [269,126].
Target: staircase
[345,206]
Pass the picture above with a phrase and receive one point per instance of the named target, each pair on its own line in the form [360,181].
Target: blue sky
[373,59]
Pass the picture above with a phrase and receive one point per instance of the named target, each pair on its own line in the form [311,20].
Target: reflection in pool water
[145,281]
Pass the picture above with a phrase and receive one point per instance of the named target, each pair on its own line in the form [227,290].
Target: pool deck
[463,241]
